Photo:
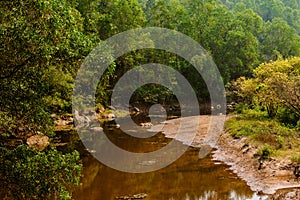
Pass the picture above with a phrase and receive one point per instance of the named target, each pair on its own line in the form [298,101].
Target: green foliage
[295,159]
[153,94]
[106,18]
[269,135]
[42,45]
[248,125]
[280,141]
[7,124]
[238,35]
[41,40]
[287,117]
[275,84]
[168,14]
[240,108]
[29,174]
[279,39]
[59,89]
[268,10]
[265,152]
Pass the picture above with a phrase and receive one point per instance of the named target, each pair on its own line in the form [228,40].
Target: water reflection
[189,178]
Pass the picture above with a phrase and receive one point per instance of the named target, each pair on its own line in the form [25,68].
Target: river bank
[265,176]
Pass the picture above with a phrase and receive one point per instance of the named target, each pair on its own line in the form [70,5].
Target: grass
[296,159]
[265,133]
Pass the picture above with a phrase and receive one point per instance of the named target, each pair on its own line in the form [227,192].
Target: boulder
[38,142]
[146,124]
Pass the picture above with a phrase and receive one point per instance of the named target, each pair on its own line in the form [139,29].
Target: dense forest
[254,43]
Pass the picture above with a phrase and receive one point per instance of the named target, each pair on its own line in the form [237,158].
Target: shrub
[287,117]
[280,141]
[274,84]
[264,153]
[296,159]
[240,108]
[29,174]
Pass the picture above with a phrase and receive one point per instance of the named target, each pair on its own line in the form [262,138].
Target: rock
[111,116]
[92,151]
[135,109]
[87,120]
[71,119]
[231,106]
[146,124]
[135,196]
[58,122]
[53,115]
[111,108]
[114,125]
[81,120]
[62,122]
[296,172]
[38,142]
[97,128]
[147,162]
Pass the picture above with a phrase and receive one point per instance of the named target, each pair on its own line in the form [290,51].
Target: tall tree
[278,38]
[37,37]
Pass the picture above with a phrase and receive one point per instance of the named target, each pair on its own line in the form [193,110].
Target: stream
[188,178]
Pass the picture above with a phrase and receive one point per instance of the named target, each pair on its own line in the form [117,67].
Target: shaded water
[188,178]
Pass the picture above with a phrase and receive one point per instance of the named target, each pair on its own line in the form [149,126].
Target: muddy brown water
[188,178]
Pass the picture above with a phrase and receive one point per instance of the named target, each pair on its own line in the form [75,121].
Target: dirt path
[266,177]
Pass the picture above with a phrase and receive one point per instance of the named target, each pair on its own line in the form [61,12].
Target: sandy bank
[265,177]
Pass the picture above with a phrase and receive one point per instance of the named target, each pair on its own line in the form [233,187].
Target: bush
[280,141]
[29,174]
[256,113]
[287,117]
[296,159]
[274,85]
[7,124]
[264,153]
[240,108]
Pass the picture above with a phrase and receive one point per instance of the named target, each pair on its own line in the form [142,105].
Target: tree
[167,14]
[29,174]
[40,38]
[282,79]
[268,10]
[117,16]
[232,44]
[42,45]
[275,84]
[278,38]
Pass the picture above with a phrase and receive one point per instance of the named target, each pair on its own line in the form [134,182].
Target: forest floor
[262,175]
